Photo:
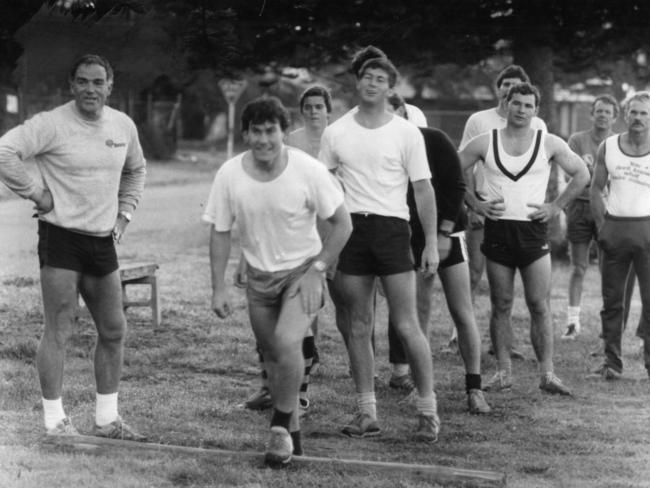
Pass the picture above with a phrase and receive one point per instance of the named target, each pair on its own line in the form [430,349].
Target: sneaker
[605,372]
[502,380]
[118,429]
[64,427]
[280,447]
[315,362]
[428,428]
[260,400]
[303,404]
[552,384]
[362,425]
[403,382]
[572,331]
[476,402]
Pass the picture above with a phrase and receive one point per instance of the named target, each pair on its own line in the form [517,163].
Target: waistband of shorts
[44,224]
[627,219]
[368,215]
[281,272]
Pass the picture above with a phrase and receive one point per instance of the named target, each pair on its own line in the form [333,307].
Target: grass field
[184,383]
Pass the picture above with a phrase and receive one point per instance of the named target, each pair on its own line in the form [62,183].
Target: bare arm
[574,167]
[597,188]
[220,243]
[425,201]
[472,153]
[310,285]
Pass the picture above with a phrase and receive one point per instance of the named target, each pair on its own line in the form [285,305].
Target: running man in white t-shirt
[375,154]
[315,107]
[516,165]
[274,194]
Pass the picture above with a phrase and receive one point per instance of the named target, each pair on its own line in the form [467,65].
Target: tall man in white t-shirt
[375,154]
[623,163]
[516,166]
[274,193]
[480,123]
[92,177]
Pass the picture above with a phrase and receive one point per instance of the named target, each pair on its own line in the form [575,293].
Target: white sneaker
[572,331]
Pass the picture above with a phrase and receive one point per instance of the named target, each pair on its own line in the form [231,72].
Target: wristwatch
[319,265]
[126,215]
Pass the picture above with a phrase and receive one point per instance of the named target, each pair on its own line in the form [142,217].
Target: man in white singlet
[516,165]
[623,223]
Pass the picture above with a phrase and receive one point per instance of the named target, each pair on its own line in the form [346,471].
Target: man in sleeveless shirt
[479,123]
[581,227]
[516,165]
[623,222]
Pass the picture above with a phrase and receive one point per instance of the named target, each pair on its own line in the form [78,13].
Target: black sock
[472,382]
[280,418]
[297,443]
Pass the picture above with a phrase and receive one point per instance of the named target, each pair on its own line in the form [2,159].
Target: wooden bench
[142,274]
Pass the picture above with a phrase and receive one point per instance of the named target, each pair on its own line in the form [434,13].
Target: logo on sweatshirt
[111,143]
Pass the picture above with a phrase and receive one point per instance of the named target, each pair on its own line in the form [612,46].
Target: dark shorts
[515,243]
[269,288]
[457,253]
[63,248]
[580,224]
[378,246]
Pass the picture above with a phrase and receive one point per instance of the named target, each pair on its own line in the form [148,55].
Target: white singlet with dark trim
[520,180]
[629,181]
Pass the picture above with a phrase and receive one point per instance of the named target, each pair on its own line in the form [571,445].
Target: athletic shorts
[457,253]
[378,246]
[515,243]
[580,224]
[269,288]
[63,248]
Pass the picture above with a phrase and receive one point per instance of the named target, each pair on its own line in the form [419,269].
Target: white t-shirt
[375,165]
[276,219]
[520,180]
[629,181]
[415,115]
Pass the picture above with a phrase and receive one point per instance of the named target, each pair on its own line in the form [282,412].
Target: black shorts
[457,253]
[581,226]
[378,246]
[515,243]
[62,248]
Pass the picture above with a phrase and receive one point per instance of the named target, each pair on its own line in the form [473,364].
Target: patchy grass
[184,384]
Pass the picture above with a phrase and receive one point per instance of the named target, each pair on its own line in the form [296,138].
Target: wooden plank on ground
[432,473]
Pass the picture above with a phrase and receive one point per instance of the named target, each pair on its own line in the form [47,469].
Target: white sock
[400,369]
[573,315]
[367,403]
[427,405]
[106,409]
[53,412]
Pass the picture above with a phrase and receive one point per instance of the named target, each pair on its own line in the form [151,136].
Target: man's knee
[501,303]
[537,305]
[112,329]
[579,269]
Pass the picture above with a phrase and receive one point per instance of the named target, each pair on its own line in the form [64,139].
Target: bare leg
[59,288]
[103,296]
[536,278]
[456,285]
[400,293]
[501,279]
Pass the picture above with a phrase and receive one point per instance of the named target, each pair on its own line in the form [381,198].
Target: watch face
[320,265]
